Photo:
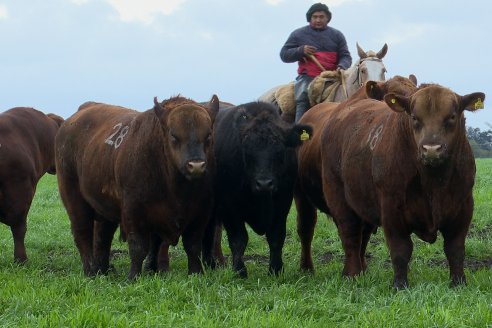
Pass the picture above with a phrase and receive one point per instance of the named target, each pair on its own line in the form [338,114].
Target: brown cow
[27,138]
[410,170]
[308,194]
[152,172]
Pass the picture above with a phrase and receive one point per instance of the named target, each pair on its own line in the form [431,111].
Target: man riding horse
[316,47]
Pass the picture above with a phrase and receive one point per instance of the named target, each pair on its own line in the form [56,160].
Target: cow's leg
[238,239]
[306,222]
[103,237]
[367,230]
[163,258]
[350,231]
[454,237]
[276,238]
[152,256]
[400,246]
[192,243]
[18,196]
[138,246]
[19,232]
[81,221]
[218,255]
[209,242]
[454,248]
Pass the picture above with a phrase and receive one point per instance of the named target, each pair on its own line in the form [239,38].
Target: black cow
[256,172]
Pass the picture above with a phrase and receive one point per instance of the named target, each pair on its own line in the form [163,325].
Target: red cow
[152,172]
[27,139]
[308,193]
[409,170]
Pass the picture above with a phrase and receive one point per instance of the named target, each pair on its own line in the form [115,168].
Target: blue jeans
[301,95]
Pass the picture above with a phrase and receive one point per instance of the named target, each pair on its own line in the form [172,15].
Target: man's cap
[318,7]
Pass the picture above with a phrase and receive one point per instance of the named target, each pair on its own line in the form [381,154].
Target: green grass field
[51,290]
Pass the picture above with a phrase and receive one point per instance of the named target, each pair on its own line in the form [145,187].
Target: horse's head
[370,66]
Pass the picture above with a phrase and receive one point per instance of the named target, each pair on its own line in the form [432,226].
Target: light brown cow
[27,138]
[152,172]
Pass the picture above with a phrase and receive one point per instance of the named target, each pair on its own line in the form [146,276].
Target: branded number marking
[116,138]
[374,136]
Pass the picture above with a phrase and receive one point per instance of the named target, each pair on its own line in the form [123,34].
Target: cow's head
[268,146]
[187,130]
[397,84]
[436,115]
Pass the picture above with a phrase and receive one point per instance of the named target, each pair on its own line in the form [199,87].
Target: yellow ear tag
[304,135]
[479,104]
[393,101]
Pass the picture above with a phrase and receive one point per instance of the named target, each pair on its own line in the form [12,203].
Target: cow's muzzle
[195,169]
[432,155]
[264,185]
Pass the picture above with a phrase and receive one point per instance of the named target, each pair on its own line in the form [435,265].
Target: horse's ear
[362,54]
[382,52]
[413,78]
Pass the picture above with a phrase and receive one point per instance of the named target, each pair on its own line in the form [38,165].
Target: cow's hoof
[400,284]
[457,282]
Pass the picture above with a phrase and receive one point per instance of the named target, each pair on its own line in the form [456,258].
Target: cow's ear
[413,78]
[298,134]
[397,103]
[374,90]
[158,109]
[213,107]
[472,101]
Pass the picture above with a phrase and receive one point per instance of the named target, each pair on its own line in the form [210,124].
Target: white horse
[369,67]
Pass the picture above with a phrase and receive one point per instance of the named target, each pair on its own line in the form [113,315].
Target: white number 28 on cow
[116,138]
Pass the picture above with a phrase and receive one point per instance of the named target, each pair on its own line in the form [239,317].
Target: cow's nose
[195,168]
[432,150]
[264,184]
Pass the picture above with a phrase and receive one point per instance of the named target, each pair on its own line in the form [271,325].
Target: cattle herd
[393,155]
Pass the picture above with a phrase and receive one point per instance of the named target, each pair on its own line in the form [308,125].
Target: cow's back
[26,142]
[87,147]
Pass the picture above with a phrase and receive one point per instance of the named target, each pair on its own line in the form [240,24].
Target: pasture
[51,290]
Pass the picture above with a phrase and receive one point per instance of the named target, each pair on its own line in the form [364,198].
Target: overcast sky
[57,54]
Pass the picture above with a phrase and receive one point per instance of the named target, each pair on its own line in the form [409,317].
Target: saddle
[322,88]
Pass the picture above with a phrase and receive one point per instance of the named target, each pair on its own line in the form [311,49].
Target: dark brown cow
[410,170]
[308,194]
[152,172]
[27,139]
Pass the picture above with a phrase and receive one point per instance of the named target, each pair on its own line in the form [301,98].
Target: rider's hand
[309,50]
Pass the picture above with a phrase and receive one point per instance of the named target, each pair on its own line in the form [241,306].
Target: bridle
[358,77]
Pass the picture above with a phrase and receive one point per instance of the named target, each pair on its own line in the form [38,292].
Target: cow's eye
[174,139]
[244,117]
[208,139]
[450,121]
[416,122]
